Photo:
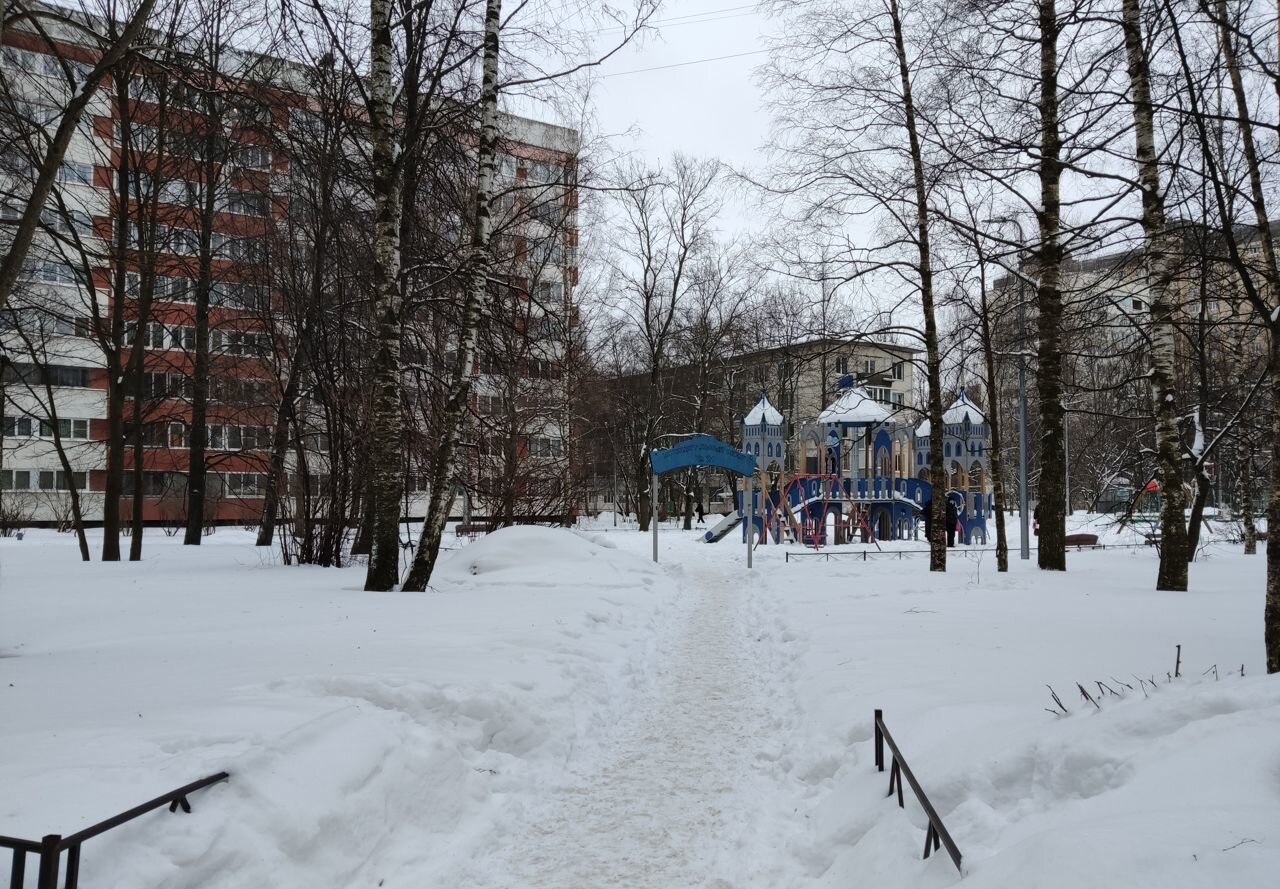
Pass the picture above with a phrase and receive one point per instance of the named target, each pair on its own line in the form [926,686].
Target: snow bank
[372,738]
[521,553]
[1174,786]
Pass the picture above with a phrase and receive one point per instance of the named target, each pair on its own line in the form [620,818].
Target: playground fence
[937,832]
[49,849]
[966,552]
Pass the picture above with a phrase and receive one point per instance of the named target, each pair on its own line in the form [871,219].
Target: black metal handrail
[51,846]
[937,833]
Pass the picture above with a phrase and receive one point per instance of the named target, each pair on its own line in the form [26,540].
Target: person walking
[953,517]
[927,509]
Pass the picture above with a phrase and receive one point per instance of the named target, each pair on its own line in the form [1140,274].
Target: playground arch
[699,450]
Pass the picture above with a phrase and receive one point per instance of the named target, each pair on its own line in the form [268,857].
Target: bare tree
[112,44]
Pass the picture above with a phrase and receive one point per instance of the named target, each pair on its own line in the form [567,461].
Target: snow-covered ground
[559,712]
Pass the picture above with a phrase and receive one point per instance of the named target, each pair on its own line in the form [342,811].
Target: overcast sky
[709,108]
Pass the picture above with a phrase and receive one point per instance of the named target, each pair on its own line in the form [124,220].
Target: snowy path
[675,799]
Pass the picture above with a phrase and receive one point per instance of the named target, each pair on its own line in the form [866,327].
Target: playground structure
[860,473]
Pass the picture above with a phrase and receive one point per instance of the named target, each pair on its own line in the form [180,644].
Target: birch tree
[1160,272]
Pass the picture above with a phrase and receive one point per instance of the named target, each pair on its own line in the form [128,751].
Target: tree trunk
[993,423]
[1052,551]
[1245,505]
[644,507]
[1257,196]
[387,469]
[113,483]
[473,310]
[73,494]
[1271,611]
[198,443]
[688,502]
[933,355]
[1196,520]
[279,445]
[1174,545]
[362,545]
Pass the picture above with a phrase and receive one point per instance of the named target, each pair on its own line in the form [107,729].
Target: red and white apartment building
[62,352]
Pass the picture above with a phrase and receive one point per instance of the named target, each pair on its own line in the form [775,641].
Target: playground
[859,475]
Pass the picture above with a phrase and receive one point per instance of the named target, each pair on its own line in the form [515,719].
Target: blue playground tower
[860,472]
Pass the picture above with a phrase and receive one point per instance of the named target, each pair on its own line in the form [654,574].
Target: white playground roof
[854,405]
[954,415]
[763,412]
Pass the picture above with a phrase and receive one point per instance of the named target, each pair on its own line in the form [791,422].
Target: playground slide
[723,527]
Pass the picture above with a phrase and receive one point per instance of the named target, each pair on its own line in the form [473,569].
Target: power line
[681,18]
[738,55]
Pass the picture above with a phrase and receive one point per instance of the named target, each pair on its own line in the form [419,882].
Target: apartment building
[802,378]
[55,332]
[1219,349]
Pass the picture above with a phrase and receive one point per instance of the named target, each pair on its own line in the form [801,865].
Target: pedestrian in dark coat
[927,509]
[953,517]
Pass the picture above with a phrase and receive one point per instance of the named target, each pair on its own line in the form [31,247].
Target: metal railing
[937,833]
[50,848]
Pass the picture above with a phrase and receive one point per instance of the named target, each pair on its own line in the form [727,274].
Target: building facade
[217,197]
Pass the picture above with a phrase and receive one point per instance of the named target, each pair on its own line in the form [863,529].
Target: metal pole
[1023,518]
[750,509]
[1066,449]
[653,511]
[49,861]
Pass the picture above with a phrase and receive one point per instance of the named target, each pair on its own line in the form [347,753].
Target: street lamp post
[1024,519]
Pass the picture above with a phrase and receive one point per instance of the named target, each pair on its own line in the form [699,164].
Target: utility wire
[737,55]
[680,18]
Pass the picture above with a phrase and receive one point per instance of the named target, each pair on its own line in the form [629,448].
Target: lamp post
[1023,517]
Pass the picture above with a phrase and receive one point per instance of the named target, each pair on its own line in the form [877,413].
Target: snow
[560,712]
[955,415]
[854,405]
[1197,446]
[763,412]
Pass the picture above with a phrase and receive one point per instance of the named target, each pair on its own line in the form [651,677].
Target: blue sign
[702,450]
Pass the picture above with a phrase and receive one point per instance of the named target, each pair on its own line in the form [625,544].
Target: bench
[473,529]
[1081,540]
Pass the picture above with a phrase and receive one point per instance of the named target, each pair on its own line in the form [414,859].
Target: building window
[543,369]
[18,427]
[489,405]
[545,447]
[155,484]
[162,385]
[868,366]
[52,374]
[75,173]
[245,484]
[1137,305]
[254,157]
[900,370]
[15,480]
[248,203]
[58,480]
[67,429]
[247,343]
[842,365]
